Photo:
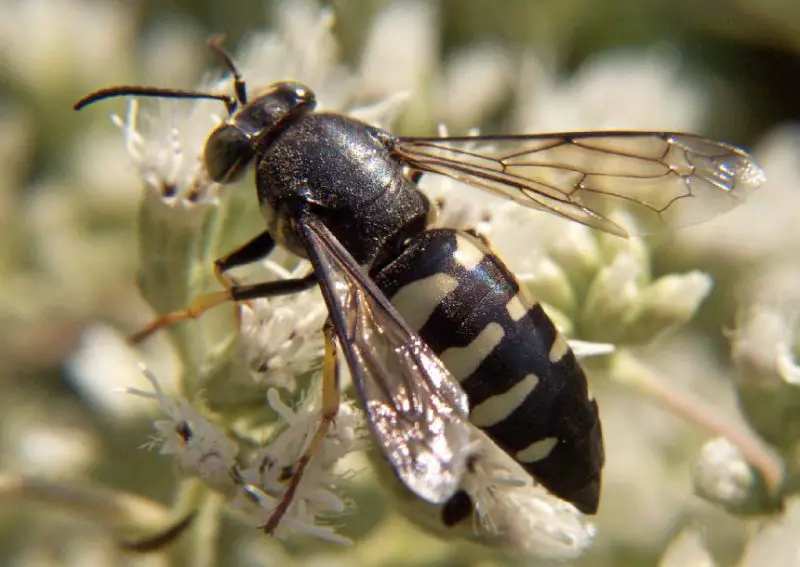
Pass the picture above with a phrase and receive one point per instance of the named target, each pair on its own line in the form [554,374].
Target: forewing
[662,179]
[417,411]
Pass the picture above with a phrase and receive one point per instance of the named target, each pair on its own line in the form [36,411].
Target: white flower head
[314,500]
[723,476]
[764,346]
[767,327]
[615,90]
[281,337]
[387,68]
[101,349]
[167,153]
[499,505]
[48,44]
[202,448]
[474,82]
[345,434]
[522,515]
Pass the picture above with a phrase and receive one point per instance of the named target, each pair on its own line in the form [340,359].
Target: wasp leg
[330,407]
[161,539]
[252,251]
[236,293]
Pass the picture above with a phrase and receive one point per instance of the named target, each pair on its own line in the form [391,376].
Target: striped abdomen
[525,387]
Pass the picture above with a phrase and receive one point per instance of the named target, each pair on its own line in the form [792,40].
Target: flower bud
[721,475]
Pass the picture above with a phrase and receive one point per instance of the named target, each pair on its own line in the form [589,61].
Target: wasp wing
[417,411]
[662,179]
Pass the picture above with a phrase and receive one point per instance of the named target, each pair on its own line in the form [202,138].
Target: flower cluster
[203,450]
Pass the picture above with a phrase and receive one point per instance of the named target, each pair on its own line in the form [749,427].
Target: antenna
[231,102]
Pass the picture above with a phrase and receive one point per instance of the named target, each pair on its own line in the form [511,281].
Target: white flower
[100,349]
[763,354]
[167,153]
[664,304]
[387,68]
[787,365]
[303,48]
[498,505]
[281,336]
[615,90]
[721,474]
[201,447]
[767,324]
[314,500]
[523,516]
[203,450]
[345,434]
[474,82]
[46,445]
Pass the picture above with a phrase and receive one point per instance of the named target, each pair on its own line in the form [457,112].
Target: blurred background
[69,257]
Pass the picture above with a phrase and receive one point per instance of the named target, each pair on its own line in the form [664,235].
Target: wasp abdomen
[525,387]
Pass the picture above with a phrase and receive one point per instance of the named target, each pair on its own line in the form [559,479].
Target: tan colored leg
[195,309]
[252,251]
[330,407]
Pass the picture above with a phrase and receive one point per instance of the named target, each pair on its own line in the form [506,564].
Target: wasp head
[231,147]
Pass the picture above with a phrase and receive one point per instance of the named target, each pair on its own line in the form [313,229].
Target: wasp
[437,332]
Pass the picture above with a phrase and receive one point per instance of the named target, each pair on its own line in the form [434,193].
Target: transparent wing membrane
[417,411]
[661,180]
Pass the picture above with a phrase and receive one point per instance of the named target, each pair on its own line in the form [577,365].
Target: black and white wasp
[435,330]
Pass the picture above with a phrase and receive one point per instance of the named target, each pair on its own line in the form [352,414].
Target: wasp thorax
[231,147]
[282,226]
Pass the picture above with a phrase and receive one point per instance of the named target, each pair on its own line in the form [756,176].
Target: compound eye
[294,95]
[300,92]
[228,153]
